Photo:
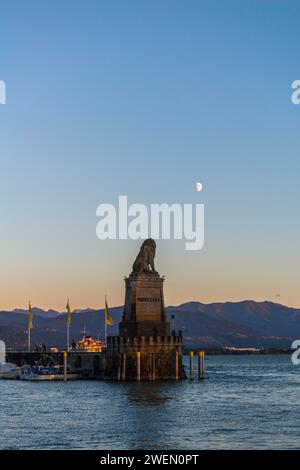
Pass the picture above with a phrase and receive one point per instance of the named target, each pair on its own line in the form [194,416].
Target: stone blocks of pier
[158,357]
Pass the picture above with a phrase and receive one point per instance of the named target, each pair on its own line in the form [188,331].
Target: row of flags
[108,317]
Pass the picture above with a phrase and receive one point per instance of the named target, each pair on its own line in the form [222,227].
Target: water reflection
[145,393]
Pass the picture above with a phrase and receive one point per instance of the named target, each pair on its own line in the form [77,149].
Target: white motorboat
[39,373]
[9,370]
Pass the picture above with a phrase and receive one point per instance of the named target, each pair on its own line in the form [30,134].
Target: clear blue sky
[145,98]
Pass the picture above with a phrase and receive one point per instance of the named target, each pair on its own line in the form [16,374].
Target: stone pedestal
[144,310]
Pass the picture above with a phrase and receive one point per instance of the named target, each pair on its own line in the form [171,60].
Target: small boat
[38,373]
[9,370]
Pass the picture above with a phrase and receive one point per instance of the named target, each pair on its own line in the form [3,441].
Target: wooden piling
[191,365]
[153,367]
[176,365]
[138,366]
[201,368]
[65,366]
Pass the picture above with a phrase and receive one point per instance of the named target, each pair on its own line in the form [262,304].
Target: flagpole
[105,330]
[105,324]
[68,338]
[68,324]
[30,325]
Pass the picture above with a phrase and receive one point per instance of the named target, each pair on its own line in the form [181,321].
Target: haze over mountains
[241,324]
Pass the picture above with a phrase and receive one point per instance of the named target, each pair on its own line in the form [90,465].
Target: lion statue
[144,262]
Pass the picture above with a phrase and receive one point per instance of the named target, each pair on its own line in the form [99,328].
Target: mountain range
[216,325]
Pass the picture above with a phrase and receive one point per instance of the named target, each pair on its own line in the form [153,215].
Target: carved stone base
[144,298]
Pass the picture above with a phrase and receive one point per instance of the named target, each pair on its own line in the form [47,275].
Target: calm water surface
[245,402]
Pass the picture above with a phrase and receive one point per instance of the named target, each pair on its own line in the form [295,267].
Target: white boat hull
[9,371]
[49,377]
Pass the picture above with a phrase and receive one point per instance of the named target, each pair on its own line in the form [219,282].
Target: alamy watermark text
[159,221]
[296,93]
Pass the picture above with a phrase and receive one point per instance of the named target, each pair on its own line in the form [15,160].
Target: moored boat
[88,344]
[39,373]
[9,370]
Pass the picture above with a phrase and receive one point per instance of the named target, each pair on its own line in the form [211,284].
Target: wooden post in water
[138,366]
[65,366]
[124,367]
[201,369]
[153,367]
[176,365]
[191,365]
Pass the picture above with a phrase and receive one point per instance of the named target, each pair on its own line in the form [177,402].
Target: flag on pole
[108,317]
[30,317]
[69,314]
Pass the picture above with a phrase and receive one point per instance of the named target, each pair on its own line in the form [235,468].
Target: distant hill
[38,312]
[240,324]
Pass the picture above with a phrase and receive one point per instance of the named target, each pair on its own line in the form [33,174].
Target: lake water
[245,402]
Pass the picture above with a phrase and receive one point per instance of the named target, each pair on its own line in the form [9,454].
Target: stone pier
[157,357]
